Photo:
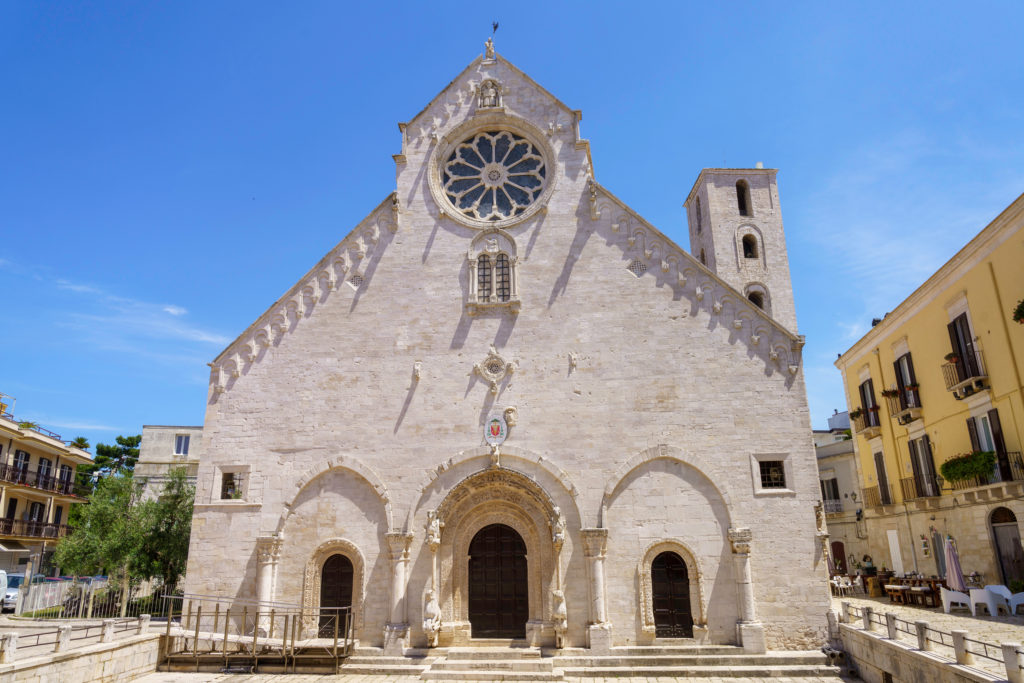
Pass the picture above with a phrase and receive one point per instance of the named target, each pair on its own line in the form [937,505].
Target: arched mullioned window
[749,246]
[493,269]
[743,198]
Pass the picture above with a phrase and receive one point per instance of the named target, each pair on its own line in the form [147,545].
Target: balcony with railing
[964,374]
[833,506]
[913,488]
[904,404]
[1009,467]
[29,529]
[877,496]
[43,481]
[866,422]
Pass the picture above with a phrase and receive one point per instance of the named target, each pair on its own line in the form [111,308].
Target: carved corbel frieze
[737,324]
[511,416]
[717,307]
[698,293]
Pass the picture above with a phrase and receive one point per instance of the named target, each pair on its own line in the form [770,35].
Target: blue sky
[170,169]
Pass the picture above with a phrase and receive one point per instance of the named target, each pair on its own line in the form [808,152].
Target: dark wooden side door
[335,593]
[498,602]
[1008,548]
[670,588]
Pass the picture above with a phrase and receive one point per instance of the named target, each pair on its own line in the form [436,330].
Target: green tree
[118,459]
[107,530]
[80,442]
[166,524]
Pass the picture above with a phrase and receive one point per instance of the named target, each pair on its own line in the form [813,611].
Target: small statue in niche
[431,618]
[558,529]
[490,94]
[559,617]
[489,49]
[433,530]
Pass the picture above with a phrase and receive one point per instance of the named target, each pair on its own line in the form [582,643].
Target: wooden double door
[498,584]
[335,594]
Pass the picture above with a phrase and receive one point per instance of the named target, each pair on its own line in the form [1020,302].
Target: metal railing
[25,644]
[224,633]
[867,419]
[876,496]
[94,598]
[833,505]
[927,636]
[963,369]
[913,488]
[29,529]
[44,481]
[1010,468]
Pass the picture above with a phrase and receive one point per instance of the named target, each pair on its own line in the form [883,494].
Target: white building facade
[513,403]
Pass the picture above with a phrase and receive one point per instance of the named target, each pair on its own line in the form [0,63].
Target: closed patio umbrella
[954,576]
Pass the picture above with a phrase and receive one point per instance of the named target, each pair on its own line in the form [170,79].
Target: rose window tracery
[493,175]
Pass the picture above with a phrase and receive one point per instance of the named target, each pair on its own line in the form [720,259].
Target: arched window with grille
[483,278]
[502,278]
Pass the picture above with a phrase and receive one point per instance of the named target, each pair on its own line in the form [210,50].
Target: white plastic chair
[950,598]
[858,585]
[992,602]
[1006,599]
[845,587]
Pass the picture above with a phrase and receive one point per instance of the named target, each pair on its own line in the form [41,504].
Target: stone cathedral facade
[506,406]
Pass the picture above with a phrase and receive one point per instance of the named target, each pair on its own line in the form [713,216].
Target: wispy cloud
[71,423]
[175,310]
[853,330]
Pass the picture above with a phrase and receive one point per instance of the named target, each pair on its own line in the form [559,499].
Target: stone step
[772,659]
[493,665]
[491,652]
[478,675]
[382,669]
[764,671]
[381,659]
[644,650]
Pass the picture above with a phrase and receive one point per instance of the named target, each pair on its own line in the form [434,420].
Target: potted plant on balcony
[890,393]
[856,413]
[978,464]
[952,357]
[1018,313]
[912,387]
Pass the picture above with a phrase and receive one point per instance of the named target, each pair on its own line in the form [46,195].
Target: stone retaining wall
[122,660]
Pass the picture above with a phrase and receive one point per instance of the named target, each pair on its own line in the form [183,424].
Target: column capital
[398,543]
[740,538]
[268,548]
[595,541]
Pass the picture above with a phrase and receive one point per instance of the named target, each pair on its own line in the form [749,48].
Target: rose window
[493,176]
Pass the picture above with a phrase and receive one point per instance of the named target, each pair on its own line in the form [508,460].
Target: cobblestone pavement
[343,678]
[994,630]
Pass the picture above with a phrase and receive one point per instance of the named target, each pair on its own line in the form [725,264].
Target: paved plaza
[260,678]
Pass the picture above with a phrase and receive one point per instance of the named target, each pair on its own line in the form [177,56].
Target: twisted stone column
[749,630]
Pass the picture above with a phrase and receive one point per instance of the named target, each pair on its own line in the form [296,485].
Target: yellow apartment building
[939,379]
[37,490]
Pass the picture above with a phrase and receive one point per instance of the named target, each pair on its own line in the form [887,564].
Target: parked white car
[14,582]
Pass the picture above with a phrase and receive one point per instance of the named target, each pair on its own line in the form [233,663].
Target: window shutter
[928,462]
[954,343]
[915,464]
[997,431]
[910,369]
[899,376]
[972,430]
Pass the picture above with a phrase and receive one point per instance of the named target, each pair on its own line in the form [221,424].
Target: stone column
[268,554]
[749,630]
[396,632]
[432,608]
[599,631]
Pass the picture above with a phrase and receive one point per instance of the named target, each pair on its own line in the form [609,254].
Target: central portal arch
[498,583]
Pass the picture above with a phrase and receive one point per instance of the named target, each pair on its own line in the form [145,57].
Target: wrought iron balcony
[876,496]
[27,529]
[12,474]
[913,488]
[1009,467]
[867,422]
[833,506]
[965,375]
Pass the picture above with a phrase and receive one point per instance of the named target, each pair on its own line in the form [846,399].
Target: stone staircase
[510,661]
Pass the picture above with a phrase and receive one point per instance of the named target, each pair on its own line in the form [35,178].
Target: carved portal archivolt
[314,573]
[696,584]
[497,496]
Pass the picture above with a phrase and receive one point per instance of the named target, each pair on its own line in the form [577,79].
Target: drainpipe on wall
[910,530]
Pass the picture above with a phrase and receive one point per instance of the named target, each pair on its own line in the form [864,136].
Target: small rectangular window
[231,486]
[181,444]
[773,475]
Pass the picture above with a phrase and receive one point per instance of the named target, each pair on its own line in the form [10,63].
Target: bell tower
[736,231]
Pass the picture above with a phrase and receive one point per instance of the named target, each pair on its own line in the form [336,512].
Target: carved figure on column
[559,616]
[431,618]
[433,530]
[490,94]
[558,529]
